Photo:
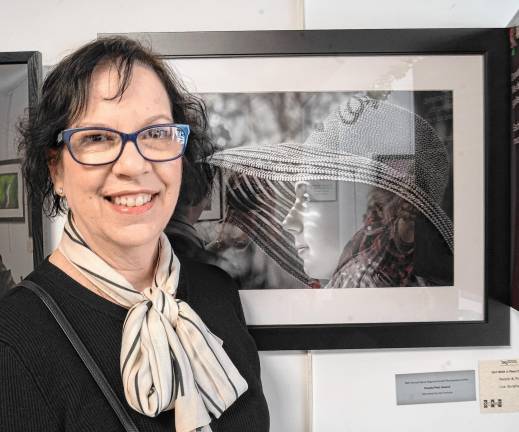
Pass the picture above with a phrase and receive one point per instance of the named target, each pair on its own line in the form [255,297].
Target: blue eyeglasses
[102,146]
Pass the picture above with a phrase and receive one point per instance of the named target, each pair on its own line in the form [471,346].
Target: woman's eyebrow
[167,117]
[91,124]
[149,121]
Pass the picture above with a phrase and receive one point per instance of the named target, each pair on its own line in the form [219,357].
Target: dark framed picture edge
[33,60]
[319,42]
[493,45]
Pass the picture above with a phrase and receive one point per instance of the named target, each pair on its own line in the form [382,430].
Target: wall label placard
[499,386]
[435,387]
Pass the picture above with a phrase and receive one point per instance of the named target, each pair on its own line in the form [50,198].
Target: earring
[59,191]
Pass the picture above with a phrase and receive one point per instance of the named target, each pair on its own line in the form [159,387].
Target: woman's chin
[134,237]
[317,273]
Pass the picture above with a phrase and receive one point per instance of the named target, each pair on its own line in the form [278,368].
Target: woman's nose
[131,162]
[293,221]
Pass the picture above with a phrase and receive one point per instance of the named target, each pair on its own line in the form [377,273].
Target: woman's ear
[55,164]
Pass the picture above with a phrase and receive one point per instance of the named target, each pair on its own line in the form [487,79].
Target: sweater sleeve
[22,405]
[236,301]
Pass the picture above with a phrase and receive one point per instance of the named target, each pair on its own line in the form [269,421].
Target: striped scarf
[169,358]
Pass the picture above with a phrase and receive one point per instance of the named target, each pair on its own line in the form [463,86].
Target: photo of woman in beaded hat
[400,187]
[388,163]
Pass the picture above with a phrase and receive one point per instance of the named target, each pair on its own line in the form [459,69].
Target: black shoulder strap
[86,357]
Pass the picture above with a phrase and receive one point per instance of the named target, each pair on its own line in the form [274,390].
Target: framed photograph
[21,239]
[364,173]
[11,192]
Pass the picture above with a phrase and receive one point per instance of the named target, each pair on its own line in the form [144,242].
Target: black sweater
[44,386]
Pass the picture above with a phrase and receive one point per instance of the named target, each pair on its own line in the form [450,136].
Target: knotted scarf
[169,358]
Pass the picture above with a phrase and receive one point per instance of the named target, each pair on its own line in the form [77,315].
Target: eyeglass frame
[65,135]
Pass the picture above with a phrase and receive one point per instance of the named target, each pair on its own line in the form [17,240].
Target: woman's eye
[95,138]
[157,133]
[302,195]
[303,199]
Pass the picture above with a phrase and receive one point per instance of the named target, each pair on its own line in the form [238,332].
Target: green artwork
[9,191]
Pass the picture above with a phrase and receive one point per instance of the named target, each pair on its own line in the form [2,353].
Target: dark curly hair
[64,99]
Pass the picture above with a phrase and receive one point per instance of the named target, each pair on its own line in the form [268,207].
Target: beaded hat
[363,140]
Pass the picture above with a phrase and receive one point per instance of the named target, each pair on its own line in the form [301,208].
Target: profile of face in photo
[249,238]
[313,222]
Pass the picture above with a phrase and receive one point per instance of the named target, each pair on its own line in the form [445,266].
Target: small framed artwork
[363,173]
[11,192]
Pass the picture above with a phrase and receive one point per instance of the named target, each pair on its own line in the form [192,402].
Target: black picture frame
[492,45]
[32,61]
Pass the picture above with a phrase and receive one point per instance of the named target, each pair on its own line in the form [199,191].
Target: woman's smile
[132,203]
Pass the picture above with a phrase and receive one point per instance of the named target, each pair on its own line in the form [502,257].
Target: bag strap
[85,355]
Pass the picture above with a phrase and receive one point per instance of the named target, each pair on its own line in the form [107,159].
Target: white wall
[321,391]
[354,390]
[328,14]
[15,245]
[57,27]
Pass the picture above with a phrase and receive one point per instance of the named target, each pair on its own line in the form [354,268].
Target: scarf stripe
[137,391]
[134,344]
[78,238]
[163,302]
[215,356]
[97,276]
[169,358]
[209,398]
[179,384]
[74,239]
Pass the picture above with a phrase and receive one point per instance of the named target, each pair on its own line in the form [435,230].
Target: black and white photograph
[351,230]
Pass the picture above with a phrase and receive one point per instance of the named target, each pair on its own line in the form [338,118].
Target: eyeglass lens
[96,146]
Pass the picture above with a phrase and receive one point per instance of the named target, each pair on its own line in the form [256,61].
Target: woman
[106,142]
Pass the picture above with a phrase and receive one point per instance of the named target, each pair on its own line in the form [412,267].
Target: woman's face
[91,191]
[314,223]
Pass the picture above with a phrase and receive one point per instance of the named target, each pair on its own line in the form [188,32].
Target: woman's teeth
[132,200]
